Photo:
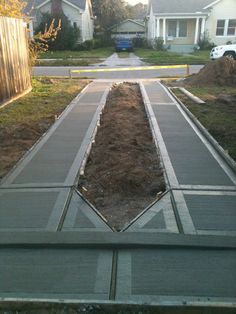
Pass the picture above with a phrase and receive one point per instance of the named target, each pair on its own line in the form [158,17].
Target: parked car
[124,44]
[223,51]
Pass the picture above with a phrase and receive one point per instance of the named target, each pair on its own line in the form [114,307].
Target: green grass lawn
[123,54]
[217,115]
[47,99]
[167,57]
[94,53]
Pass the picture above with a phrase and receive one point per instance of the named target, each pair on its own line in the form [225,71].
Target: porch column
[164,30]
[196,31]
[203,27]
[157,27]
[154,28]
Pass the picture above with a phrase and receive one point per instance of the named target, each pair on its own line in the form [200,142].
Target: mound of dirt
[123,173]
[220,72]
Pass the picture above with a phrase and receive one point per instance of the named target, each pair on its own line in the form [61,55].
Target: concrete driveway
[114,60]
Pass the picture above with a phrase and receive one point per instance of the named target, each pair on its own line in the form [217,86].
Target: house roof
[180,6]
[138,22]
[33,4]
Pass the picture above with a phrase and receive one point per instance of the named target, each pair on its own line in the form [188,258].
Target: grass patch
[48,98]
[94,53]
[166,57]
[218,115]
[123,54]
[67,62]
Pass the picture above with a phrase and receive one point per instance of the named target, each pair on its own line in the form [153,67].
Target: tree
[137,12]
[39,43]
[12,8]
[68,36]
[109,12]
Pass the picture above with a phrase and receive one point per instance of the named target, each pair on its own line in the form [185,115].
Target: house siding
[73,15]
[222,11]
[123,30]
[82,18]
[88,29]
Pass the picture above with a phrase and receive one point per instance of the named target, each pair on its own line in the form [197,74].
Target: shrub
[67,38]
[158,43]
[140,42]
[204,42]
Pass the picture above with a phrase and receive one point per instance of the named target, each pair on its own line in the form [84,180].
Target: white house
[79,12]
[128,29]
[181,23]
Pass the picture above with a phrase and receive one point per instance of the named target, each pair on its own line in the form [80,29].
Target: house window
[182,29]
[231,28]
[220,27]
[177,28]
[172,28]
[226,28]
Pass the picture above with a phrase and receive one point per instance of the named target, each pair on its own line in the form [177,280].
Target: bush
[140,42]
[67,38]
[158,43]
[204,42]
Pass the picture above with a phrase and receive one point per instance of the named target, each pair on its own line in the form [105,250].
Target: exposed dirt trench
[123,173]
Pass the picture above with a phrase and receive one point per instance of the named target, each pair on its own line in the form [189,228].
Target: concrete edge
[230,162]
[115,240]
[191,96]
[189,306]
[151,119]
[145,210]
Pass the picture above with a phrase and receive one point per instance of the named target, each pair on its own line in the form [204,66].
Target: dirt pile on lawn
[221,72]
[123,173]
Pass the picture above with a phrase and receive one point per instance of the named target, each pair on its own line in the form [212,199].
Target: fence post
[187,70]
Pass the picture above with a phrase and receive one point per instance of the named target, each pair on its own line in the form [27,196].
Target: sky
[133,2]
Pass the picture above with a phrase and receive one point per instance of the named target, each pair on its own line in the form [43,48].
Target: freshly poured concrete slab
[56,273]
[213,211]
[159,217]
[32,209]
[94,93]
[171,274]
[191,160]
[50,161]
[157,94]
[82,217]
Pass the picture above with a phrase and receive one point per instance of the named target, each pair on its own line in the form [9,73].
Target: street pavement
[112,62]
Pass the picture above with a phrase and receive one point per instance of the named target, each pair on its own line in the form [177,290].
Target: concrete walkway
[114,60]
[179,251]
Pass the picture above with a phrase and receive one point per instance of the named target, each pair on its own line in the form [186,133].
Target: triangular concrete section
[83,217]
[159,217]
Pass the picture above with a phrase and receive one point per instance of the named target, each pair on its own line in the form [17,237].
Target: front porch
[180,34]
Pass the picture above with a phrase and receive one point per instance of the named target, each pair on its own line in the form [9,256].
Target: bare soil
[16,140]
[123,173]
[220,72]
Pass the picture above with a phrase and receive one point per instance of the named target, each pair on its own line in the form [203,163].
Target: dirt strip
[123,173]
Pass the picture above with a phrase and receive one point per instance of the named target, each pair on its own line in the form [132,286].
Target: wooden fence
[15,72]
